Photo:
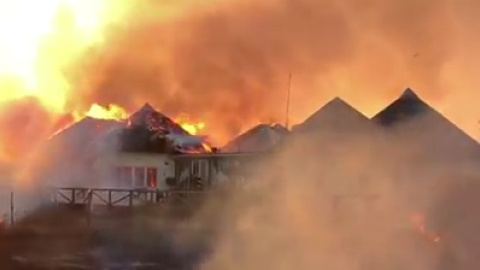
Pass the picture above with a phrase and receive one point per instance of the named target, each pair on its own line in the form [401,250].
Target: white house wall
[105,167]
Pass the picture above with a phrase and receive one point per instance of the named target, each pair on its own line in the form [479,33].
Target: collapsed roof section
[151,131]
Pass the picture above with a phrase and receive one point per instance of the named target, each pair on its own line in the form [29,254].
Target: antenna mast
[288,99]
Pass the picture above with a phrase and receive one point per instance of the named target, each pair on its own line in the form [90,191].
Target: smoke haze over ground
[351,203]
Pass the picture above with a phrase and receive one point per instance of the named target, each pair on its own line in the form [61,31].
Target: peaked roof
[407,106]
[259,138]
[414,118]
[336,115]
[77,136]
[151,131]
[155,121]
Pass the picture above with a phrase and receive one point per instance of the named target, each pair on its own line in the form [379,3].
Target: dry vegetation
[67,238]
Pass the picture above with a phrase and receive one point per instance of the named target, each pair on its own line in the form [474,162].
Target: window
[152,177]
[124,176]
[139,177]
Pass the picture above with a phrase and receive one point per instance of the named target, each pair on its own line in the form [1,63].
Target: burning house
[150,150]
[146,150]
[232,162]
[140,153]
[69,153]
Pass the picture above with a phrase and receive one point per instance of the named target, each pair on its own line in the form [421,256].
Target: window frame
[147,178]
[142,181]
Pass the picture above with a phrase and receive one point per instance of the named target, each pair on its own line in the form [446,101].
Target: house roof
[260,138]
[151,131]
[336,115]
[155,121]
[74,141]
[407,106]
[413,119]
[215,155]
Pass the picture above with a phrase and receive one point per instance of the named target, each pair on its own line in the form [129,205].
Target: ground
[61,238]
[177,236]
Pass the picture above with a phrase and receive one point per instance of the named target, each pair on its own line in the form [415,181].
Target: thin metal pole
[12,208]
[288,99]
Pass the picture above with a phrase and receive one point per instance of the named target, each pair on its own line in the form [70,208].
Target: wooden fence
[116,196]
[13,204]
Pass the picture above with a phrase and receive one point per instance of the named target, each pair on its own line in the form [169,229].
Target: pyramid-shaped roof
[336,115]
[75,138]
[151,131]
[260,138]
[147,117]
[412,118]
[407,106]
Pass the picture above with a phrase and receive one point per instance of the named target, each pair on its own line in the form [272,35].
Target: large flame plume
[40,39]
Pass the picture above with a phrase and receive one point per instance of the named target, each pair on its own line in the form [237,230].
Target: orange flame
[191,127]
[111,112]
[207,148]
[55,34]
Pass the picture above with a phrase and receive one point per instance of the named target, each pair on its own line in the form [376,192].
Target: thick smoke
[228,63]
[351,202]
[23,124]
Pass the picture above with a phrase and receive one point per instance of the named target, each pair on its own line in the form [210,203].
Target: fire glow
[118,113]
[418,221]
[24,53]
[193,128]
[110,112]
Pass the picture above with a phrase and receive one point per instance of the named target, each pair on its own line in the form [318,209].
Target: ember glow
[418,221]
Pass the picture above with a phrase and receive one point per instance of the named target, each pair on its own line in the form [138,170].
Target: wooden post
[73,196]
[55,197]
[130,198]
[110,198]
[12,208]
[89,207]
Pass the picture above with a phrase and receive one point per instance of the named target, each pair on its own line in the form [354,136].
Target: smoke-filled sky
[227,62]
